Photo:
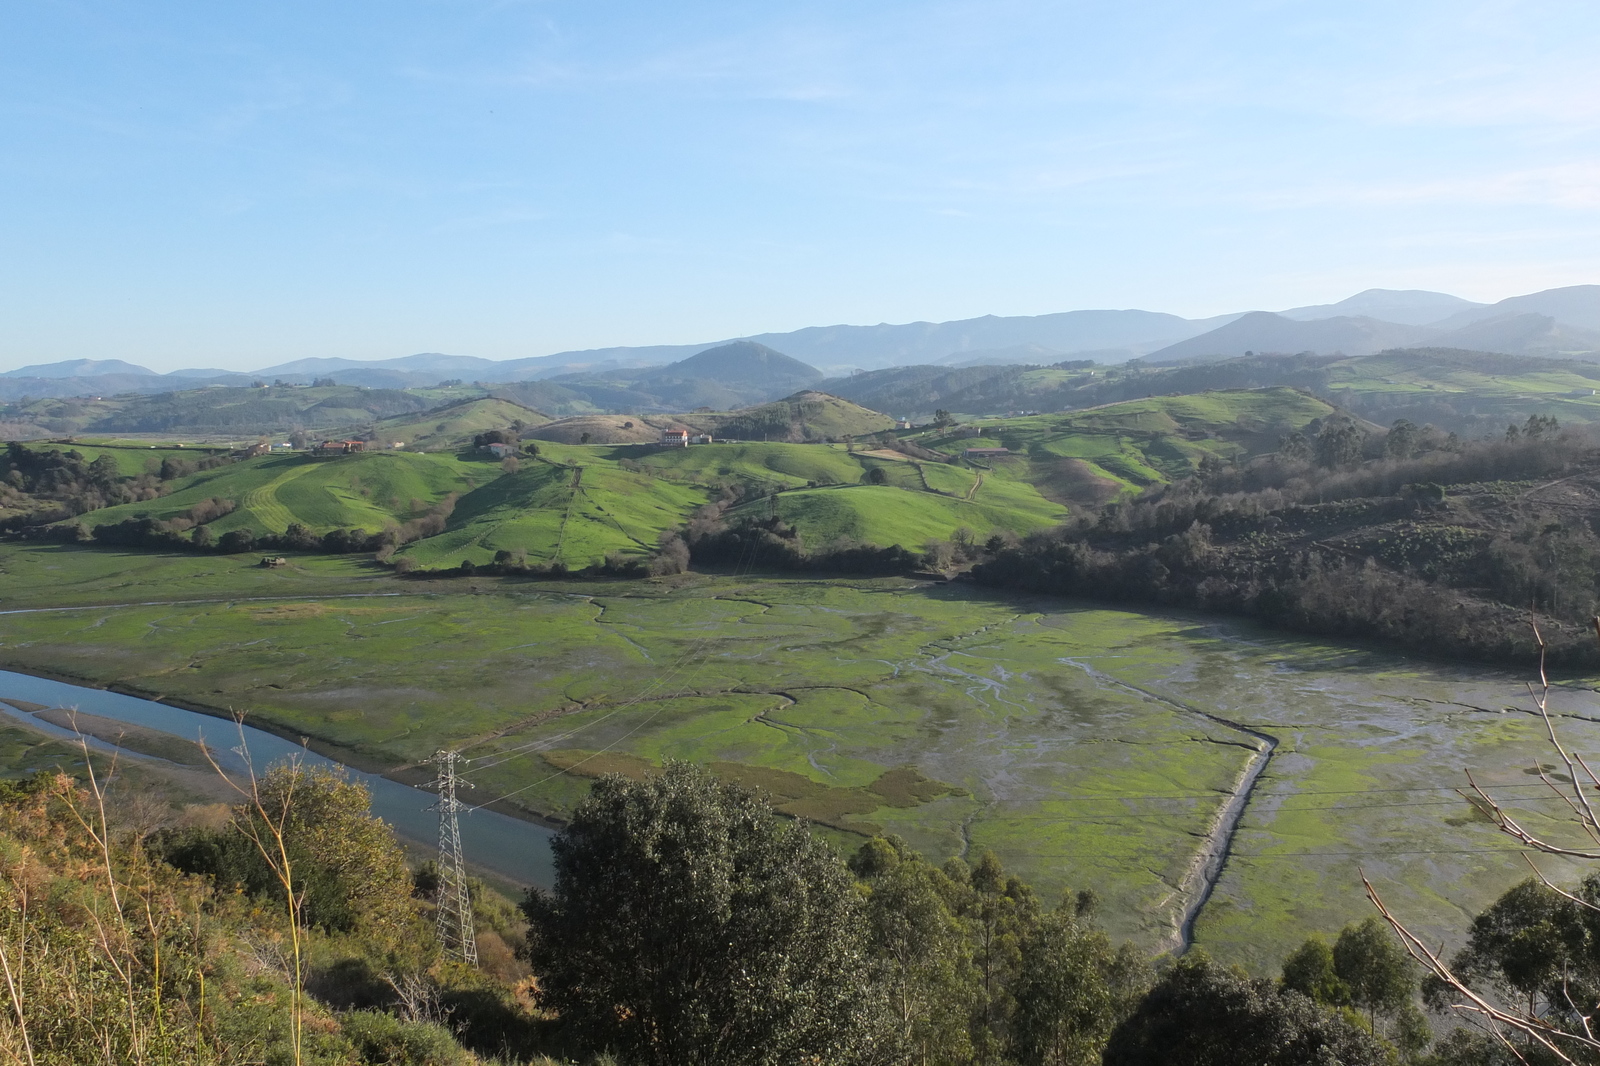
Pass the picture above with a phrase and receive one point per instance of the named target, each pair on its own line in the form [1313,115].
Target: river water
[513,849]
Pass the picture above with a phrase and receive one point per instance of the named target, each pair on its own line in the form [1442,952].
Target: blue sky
[235,184]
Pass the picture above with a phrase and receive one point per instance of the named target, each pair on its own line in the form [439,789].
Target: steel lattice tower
[455,905]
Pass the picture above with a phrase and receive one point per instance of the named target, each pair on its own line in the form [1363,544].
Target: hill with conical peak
[724,377]
[739,363]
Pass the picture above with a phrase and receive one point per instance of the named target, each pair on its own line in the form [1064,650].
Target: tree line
[44,485]
[1414,537]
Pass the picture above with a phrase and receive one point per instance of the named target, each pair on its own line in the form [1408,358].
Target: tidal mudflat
[1180,766]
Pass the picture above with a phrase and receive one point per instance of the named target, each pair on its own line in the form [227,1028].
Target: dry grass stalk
[268,832]
[1501,1023]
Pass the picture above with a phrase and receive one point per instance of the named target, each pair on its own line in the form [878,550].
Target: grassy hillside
[363,491]
[251,410]
[134,458]
[760,465]
[1090,455]
[805,416]
[881,514]
[575,511]
[1469,392]
[578,503]
[453,426]
[607,429]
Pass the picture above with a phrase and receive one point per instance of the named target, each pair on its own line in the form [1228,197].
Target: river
[510,848]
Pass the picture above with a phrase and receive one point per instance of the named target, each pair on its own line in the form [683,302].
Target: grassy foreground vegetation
[685,924]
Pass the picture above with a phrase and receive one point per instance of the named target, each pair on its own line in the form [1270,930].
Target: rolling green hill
[364,491]
[1088,456]
[805,416]
[578,503]
[132,457]
[883,514]
[575,511]
[453,426]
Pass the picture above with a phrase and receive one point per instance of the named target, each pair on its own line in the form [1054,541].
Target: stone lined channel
[1205,870]
[511,848]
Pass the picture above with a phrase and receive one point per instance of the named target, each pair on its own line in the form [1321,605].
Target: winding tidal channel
[510,848]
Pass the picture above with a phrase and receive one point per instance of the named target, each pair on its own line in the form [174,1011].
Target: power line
[454,914]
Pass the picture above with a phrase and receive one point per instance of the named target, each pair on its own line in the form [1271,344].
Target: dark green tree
[685,927]
[921,947]
[1374,968]
[1401,441]
[1295,447]
[999,910]
[1340,443]
[1535,946]
[1310,971]
[1200,1014]
[1071,989]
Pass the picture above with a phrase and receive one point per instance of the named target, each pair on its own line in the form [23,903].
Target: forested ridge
[1412,536]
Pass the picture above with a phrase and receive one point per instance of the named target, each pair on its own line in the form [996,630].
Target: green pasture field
[551,511]
[368,490]
[579,503]
[452,428]
[1075,742]
[132,458]
[780,466]
[1567,392]
[882,514]
[1138,443]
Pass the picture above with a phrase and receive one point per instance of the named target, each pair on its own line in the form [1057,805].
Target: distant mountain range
[1553,322]
[1562,322]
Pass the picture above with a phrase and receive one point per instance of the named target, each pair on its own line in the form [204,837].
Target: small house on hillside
[253,451]
[703,438]
[985,453]
[500,451]
[341,447]
[674,438]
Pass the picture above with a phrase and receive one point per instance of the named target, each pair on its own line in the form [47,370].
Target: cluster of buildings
[680,438]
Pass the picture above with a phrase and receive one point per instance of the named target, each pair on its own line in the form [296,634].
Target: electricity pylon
[455,904]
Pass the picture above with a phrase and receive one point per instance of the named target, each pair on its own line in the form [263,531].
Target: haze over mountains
[1563,321]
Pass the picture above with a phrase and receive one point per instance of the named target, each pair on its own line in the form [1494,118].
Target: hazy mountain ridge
[1563,321]
[1406,307]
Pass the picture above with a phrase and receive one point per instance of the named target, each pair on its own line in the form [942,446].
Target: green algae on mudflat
[1090,747]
